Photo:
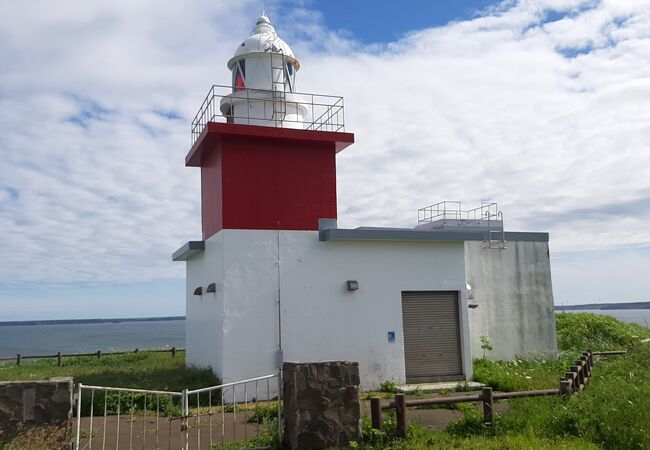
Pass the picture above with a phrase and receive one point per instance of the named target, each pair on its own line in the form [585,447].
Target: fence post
[585,368]
[58,359]
[591,359]
[566,388]
[135,351]
[488,405]
[576,379]
[375,412]
[185,412]
[400,413]
[173,352]
[581,374]
[99,354]
[571,377]
[78,417]
[18,359]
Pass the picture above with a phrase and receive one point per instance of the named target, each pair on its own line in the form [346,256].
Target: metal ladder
[278,93]
[496,239]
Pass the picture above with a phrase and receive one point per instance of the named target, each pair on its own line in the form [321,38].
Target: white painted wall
[513,290]
[321,319]
[204,314]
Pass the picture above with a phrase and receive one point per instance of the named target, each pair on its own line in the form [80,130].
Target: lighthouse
[273,278]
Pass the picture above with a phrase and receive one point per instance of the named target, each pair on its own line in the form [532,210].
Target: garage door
[432,347]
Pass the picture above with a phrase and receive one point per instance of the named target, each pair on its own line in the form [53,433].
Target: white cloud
[542,106]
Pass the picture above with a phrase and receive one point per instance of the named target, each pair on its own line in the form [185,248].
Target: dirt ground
[141,433]
[145,434]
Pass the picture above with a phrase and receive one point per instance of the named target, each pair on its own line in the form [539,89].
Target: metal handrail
[235,383]
[325,112]
[453,210]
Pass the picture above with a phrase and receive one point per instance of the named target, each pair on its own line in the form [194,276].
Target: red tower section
[265,178]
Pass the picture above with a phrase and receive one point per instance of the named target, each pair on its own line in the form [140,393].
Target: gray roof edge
[400,234]
[188,250]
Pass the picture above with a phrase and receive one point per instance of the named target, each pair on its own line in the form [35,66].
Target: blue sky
[539,105]
[387,21]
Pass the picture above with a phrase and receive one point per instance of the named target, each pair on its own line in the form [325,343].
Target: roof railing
[452,210]
[321,112]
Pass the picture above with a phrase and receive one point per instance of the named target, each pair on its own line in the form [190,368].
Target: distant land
[631,305]
[76,321]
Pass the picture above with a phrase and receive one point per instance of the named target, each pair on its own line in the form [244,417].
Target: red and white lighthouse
[273,278]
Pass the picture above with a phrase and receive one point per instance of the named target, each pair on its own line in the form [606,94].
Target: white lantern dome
[263,39]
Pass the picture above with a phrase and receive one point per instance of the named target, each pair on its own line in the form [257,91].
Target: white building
[275,279]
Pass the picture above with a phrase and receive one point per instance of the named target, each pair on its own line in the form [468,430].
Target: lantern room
[263,82]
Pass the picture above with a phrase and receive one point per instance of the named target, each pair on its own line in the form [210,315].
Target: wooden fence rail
[59,356]
[572,382]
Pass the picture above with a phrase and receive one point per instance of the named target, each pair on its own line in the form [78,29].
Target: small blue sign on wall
[391,336]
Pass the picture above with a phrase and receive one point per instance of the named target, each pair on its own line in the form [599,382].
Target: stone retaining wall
[321,404]
[35,403]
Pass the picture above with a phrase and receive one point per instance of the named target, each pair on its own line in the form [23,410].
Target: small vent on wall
[212,287]
[352,285]
[198,291]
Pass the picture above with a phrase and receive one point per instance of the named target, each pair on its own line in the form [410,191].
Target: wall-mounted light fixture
[470,295]
[212,287]
[353,285]
[198,291]
[472,305]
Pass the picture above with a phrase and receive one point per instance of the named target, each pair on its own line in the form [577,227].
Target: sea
[640,316]
[50,338]
[118,334]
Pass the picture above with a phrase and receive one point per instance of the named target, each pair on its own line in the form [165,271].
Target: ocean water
[640,316]
[90,337]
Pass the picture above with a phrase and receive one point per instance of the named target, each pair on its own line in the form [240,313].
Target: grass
[582,331]
[37,438]
[141,370]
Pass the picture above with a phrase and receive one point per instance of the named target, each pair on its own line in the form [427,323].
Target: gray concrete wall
[513,290]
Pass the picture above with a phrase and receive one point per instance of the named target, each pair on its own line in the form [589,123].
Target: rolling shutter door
[432,348]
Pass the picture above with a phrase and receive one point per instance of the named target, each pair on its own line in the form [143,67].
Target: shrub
[582,331]
[388,386]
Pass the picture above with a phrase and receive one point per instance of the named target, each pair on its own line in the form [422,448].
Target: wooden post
[571,377]
[585,368]
[581,372]
[488,406]
[59,359]
[173,352]
[99,354]
[566,387]
[400,413]
[375,412]
[591,358]
[18,359]
[576,379]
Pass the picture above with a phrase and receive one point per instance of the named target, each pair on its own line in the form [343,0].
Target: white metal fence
[206,418]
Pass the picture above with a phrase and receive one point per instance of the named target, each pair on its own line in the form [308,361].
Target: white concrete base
[290,285]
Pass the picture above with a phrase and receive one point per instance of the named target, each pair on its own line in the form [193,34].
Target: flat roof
[191,248]
[188,250]
[410,234]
